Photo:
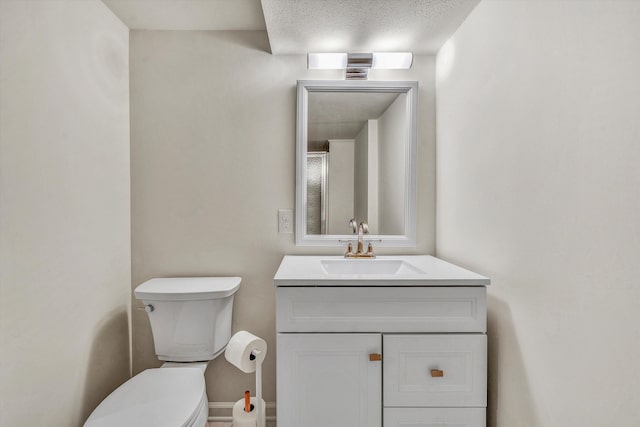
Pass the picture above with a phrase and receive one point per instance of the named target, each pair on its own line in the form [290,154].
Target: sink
[395,267]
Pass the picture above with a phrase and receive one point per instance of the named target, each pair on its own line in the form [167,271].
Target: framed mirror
[356,148]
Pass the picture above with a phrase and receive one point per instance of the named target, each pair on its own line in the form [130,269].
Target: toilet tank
[190,316]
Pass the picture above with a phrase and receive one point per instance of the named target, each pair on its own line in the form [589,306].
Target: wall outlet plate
[285,221]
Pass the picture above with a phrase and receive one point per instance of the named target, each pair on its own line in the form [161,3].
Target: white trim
[408,239]
[229,419]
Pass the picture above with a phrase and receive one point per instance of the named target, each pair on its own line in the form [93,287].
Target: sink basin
[369,267]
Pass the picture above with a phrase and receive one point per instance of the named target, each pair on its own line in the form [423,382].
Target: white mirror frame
[408,239]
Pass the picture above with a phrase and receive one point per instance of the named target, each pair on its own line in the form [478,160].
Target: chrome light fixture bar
[357,65]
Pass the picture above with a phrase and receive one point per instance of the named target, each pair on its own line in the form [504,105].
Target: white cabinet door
[329,380]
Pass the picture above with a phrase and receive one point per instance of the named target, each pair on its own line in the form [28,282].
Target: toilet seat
[161,397]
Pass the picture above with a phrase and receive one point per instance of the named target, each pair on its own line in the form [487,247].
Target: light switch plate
[285,221]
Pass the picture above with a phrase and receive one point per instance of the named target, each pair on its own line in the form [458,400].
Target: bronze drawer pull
[375,357]
[437,373]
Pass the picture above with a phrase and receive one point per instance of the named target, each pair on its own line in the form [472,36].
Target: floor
[217,424]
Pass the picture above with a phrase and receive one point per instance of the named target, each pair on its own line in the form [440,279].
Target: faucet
[361,229]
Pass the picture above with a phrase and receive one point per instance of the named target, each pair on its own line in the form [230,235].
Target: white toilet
[191,325]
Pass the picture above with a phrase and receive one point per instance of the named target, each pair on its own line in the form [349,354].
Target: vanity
[392,341]
[365,341]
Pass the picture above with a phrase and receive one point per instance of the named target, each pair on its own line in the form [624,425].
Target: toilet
[191,325]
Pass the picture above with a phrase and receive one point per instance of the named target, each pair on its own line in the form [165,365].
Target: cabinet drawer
[435,370]
[381,309]
[434,417]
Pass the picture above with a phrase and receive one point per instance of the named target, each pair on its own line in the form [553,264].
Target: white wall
[365,206]
[341,186]
[391,166]
[213,158]
[539,188]
[373,177]
[64,210]
[361,175]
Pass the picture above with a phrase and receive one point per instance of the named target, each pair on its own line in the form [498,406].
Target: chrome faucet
[361,229]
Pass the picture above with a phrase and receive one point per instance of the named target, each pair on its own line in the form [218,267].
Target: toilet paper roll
[239,349]
[246,419]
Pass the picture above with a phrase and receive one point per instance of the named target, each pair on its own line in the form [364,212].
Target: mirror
[355,158]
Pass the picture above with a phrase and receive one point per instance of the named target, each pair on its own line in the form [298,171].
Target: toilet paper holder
[247,352]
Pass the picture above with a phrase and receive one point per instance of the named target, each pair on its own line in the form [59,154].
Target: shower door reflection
[317,168]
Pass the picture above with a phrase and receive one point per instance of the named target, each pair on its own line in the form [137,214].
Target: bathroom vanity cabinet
[385,349]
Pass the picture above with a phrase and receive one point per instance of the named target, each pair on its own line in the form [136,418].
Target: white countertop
[419,270]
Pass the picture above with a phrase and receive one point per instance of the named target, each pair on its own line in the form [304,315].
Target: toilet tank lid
[187,288]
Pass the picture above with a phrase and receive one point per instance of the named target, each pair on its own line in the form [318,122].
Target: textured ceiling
[419,26]
[189,14]
[341,115]
[302,26]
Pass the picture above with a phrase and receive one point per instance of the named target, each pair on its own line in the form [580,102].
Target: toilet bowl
[191,324]
[172,397]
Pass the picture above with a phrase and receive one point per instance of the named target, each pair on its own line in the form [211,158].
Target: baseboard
[221,412]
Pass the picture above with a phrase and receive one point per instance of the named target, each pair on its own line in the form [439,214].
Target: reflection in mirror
[356,154]
[316,192]
[363,139]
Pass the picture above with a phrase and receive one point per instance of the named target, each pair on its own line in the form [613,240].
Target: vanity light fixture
[359,64]
[326,61]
